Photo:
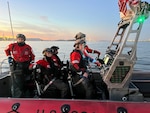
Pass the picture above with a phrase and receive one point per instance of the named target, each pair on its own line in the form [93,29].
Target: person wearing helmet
[46,71]
[99,85]
[57,62]
[20,55]
[78,66]
[55,57]
[55,49]
[81,36]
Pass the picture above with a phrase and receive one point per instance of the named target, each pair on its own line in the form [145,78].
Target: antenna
[10,21]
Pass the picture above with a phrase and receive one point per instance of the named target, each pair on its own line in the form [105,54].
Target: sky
[63,19]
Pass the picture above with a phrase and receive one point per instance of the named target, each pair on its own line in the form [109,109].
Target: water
[143,50]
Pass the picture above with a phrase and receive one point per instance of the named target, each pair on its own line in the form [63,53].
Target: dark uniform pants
[99,85]
[19,75]
[83,89]
[58,89]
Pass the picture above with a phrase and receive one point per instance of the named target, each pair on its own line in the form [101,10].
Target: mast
[10,20]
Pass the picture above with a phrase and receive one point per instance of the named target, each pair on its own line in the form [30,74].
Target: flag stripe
[122,6]
[134,2]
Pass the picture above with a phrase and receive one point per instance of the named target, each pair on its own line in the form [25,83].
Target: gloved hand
[10,60]
[98,53]
[85,74]
[98,63]
[32,62]
[32,66]
[79,73]
[38,70]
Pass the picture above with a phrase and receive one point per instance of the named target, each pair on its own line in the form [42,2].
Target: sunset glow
[54,20]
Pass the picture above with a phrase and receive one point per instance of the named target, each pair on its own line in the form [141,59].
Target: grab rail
[1,67]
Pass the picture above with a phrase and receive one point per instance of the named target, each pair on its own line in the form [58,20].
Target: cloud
[44,30]
[44,18]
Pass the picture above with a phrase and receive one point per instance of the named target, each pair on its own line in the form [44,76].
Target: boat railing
[4,67]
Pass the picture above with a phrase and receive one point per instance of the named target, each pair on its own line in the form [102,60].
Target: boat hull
[8,105]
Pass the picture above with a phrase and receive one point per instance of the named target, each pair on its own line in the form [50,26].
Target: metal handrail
[1,65]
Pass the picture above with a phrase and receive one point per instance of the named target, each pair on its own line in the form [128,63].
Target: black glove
[36,73]
[10,60]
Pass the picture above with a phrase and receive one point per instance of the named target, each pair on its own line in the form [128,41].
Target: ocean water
[66,47]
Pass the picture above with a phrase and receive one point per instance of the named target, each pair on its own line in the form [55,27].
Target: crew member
[87,50]
[53,86]
[80,73]
[20,56]
[55,57]
[96,79]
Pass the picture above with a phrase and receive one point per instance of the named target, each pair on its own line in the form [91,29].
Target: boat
[128,89]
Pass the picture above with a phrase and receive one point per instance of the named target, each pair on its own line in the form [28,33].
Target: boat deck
[140,79]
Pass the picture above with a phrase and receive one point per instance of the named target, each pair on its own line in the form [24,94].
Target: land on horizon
[32,39]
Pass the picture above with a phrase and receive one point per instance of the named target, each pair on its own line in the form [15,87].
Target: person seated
[96,79]
[53,87]
[82,87]
[63,72]
[81,36]
[55,57]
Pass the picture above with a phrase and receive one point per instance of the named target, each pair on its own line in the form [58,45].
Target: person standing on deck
[20,55]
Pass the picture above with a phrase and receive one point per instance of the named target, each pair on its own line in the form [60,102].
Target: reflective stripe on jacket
[77,60]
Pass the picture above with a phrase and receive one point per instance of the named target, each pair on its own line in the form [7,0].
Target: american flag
[123,4]
[134,2]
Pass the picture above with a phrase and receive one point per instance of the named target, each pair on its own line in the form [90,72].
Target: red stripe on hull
[75,106]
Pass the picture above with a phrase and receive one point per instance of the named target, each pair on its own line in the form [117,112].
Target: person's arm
[91,59]
[97,52]
[75,60]
[89,50]
[32,56]
[8,50]
[8,53]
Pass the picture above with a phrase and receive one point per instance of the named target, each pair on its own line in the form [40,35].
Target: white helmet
[80,36]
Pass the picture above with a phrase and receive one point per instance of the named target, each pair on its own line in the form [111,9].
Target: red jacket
[89,50]
[77,60]
[57,61]
[20,53]
[46,70]
[44,63]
